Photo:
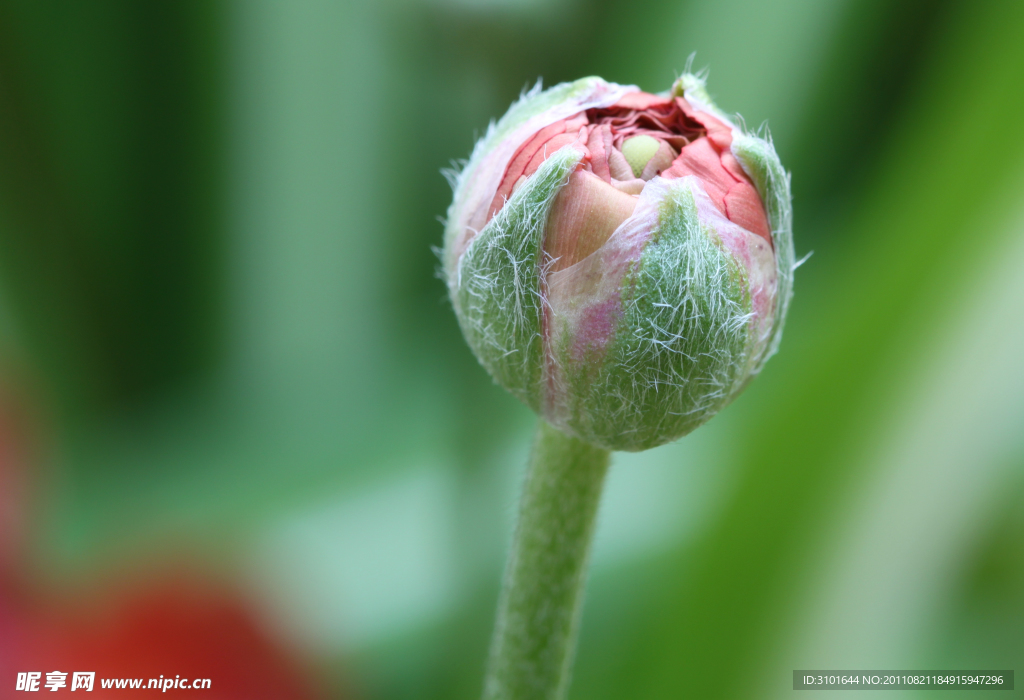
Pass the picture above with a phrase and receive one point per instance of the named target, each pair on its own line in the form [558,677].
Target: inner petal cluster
[625,146]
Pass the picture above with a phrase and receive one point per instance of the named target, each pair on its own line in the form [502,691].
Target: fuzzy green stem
[539,610]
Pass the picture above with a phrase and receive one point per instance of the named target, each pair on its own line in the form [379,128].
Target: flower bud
[621,261]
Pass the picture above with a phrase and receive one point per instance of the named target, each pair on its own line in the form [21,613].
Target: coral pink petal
[641,100]
[527,153]
[521,160]
[733,167]
[743,207]
[685,107]
[700,158]
[743,203]
[547,150]
[719,133]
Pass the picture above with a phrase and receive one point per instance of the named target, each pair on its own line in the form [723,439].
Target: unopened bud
[621,261]
[638,151]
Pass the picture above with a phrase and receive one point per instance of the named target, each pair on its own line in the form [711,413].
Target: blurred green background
[219,311]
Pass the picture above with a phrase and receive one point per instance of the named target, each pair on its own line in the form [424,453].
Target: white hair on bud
[685,343]
[756,154]
[496,286]
[476,182]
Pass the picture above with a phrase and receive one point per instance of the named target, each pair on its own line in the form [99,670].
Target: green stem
[539,611]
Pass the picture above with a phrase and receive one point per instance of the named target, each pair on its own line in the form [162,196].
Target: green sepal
[531,103]
[696,87]
[680,352]
[762,165]
[497,291]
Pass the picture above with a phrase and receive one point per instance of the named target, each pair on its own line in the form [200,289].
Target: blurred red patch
[169,631]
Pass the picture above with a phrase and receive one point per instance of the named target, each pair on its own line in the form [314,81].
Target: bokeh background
[242,438]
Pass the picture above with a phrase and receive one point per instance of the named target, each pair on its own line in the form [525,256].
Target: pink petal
[584,215]
[743,207]
[524,157]
[548,149]
[599,144]
[719,133]
[641,100]
[618,166]
[742,203]
[700,159]
[661,160]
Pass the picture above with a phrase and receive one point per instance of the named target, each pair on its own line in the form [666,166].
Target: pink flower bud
[621,261]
